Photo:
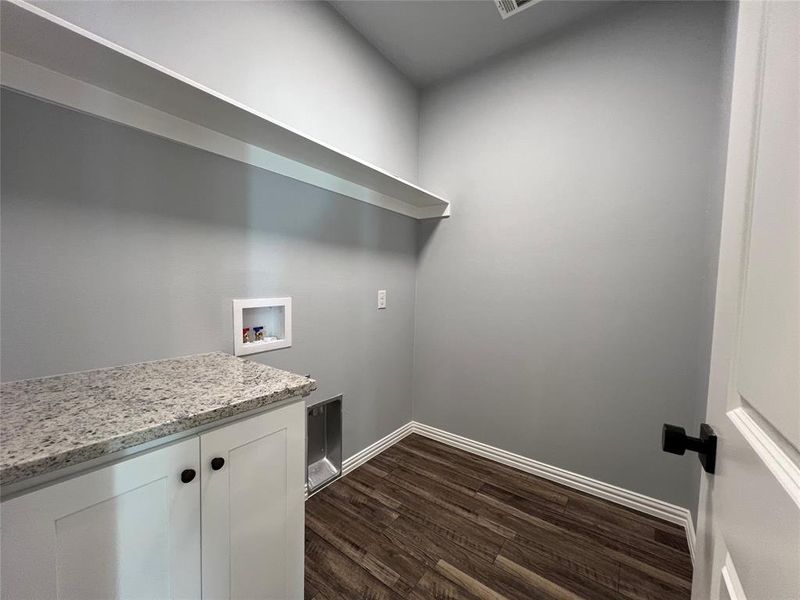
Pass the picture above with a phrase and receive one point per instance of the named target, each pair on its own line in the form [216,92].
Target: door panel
[769,356]
[253,507]
[128,530]
[760,524]
[749,512]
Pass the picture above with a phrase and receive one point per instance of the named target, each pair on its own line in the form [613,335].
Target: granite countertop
[64,420]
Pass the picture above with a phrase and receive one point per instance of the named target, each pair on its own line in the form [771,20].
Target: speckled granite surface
[54,422]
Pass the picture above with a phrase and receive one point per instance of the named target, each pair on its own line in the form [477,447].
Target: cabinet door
[129,530]
[253,507]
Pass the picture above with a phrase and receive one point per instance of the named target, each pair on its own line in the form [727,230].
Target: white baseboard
[606,491]
[382,444]
[640,502]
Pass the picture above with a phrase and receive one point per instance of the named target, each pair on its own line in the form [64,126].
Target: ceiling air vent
[512,7]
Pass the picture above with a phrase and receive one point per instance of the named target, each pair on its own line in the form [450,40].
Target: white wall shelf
[274,315]
[47,57]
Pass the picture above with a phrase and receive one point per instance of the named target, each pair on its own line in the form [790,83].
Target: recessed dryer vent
[324,443]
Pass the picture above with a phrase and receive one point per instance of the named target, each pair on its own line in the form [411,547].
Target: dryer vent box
[324,443]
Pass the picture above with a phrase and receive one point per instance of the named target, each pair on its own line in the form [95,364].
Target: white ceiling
[429,40]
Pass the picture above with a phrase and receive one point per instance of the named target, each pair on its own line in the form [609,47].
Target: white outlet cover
[381,299]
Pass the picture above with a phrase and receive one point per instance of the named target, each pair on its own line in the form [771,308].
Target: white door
[253,473]
[749,517]
[129,530]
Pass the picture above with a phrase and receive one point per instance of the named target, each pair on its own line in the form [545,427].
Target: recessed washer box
[273,314]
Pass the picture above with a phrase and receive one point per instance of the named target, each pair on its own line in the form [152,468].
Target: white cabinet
[253,507]
[133,529]
[129,530]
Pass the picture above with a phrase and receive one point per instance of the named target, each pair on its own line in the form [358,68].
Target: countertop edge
[17,474]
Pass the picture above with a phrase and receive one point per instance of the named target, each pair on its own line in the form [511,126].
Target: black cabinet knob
[217,463]
[187,475]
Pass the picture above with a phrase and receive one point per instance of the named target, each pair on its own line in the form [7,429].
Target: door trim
[730,579]
[780,464]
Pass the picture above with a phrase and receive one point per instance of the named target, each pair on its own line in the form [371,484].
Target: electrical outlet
[381,299]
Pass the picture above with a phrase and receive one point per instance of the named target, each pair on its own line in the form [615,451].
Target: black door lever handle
[675,441]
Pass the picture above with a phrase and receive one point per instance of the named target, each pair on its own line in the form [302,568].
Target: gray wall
[564,311]
[119,247]
[300,63]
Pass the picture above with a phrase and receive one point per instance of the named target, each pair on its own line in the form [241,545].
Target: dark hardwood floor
[424,520]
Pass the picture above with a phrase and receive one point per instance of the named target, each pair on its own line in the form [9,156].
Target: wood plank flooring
[424,520]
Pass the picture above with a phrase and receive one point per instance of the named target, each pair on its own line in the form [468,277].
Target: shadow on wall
[119,247]
[427,229]
[99,165]
[601,11]
[604,12]
[601,179]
